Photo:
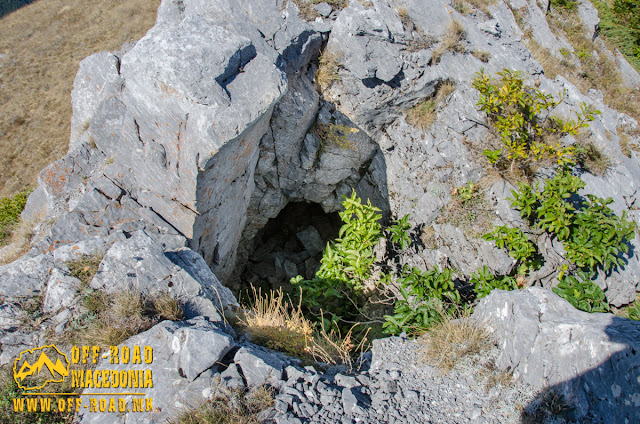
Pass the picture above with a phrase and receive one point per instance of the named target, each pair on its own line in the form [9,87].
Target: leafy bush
[484,282]
[345,265]
[10,209]
[520,115]
[514,240]
[426,298]
[582,293]
[399,232]
[593,236]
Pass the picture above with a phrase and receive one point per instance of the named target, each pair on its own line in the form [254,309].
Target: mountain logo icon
[37,367]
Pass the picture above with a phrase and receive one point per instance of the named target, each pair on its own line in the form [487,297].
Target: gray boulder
[182,355]
[140,263]
[590,359]
[259,366]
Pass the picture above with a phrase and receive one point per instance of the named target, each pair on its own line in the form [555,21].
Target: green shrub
[582,293]
[345,265]
[484,282]
[10,209]
[520,114]
[593,236]
[426,298]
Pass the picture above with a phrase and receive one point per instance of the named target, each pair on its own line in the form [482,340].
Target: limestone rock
[589,358]
[182,354]
[140,263]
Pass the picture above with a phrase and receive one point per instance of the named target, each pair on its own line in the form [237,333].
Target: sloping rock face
[593,360]
[199,128]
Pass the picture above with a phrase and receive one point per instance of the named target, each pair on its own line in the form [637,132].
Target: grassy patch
[43,44]
[110,319]
[10,209]
[424,114]
[620,23]
[451,340]
[309,13]
[9,391]
[468,210]
[233,408]
[451,42]
[589,67]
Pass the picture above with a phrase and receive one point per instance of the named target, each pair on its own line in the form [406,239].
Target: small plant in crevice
[327,72]
[85,267]
[334,135]
[423,114]
[521,117]
[307,11]
[481,55]
[590,158]
[468,209]
[582,293]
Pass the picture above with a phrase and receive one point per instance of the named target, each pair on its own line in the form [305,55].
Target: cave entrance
[290,244]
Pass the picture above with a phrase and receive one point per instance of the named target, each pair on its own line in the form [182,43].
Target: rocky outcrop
[590,359]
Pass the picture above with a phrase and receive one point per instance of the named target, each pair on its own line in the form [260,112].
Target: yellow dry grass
[42,45]
[451,41]
[451,340]
[274,322]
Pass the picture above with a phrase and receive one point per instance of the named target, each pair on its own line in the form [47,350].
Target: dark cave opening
[290,244]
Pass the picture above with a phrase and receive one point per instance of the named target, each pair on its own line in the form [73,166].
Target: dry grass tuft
[85,268]
[43,44]
[168,307]
[452,340]
[332,348]
[110,319]
[424,114]
[481,55]
[232,408]
[327,73]
[273,322]
[592,159]
[482,5]
[451,42]
[308,13]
